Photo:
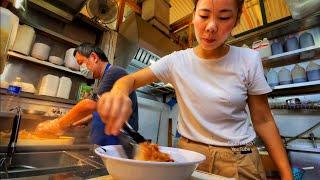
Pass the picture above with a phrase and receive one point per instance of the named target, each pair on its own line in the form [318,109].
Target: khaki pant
[226,162]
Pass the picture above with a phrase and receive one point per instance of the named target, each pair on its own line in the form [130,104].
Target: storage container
[70,61]
[272,78]
[276,47]
[291,43]
[64,88]
[24,39]
[49,85]
[40,51]
[11,20]
[306,40]
[298,74]
[284,76]
[313,71]
[263,47]
[56,60]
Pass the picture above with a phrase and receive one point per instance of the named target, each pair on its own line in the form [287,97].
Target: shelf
[51,33]
[277,30]
[41,97]
[290,57]
[46,63]
[303,84]
[295,89]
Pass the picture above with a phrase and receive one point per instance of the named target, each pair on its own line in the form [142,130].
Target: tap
[6,161]
[313,139]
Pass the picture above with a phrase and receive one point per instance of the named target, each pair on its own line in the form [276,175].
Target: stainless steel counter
[75,163]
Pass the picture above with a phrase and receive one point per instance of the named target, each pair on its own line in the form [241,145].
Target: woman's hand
[114,109]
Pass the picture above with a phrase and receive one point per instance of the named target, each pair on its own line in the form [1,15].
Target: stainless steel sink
[38,163]
[46,159]
[306,159]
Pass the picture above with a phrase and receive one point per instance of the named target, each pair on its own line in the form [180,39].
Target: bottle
[284,76]
[14,90]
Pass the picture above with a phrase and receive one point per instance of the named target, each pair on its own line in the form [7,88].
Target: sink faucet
[313,139]
[6,162]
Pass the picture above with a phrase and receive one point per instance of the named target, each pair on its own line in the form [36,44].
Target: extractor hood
[136,34]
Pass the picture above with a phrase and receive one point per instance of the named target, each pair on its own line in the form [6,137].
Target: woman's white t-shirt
[212,94]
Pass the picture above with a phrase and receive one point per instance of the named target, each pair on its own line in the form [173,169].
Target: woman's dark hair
[239,4]
[86,49]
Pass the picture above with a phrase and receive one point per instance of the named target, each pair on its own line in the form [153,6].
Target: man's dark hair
[86,49]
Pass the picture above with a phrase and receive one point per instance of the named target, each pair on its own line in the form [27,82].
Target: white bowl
[121,168]
[56,60]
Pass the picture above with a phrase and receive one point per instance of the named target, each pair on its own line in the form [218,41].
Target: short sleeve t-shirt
[212,94]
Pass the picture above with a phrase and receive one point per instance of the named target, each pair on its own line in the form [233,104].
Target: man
[94,64]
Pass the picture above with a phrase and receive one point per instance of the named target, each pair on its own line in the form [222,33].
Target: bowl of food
[179,163]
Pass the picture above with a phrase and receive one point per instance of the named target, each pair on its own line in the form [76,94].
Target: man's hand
[82,122]
[49,127]
[114,109]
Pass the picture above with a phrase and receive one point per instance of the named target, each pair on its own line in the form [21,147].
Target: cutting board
[196,175]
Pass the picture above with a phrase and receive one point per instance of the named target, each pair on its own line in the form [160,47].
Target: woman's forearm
[269,133]
[124,85]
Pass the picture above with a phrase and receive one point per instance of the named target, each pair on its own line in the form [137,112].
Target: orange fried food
[150,152]
[24,134]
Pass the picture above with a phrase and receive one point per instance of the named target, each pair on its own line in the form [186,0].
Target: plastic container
[70,61]
[56,60]
[14,90]
[284,76]
[298,74]
[24,39]
[306,40]
[263,47]
[40,51]
[313,71]
[276,47]
[11,20]
[272,78]
[49,85]
[291,43]
[64,88]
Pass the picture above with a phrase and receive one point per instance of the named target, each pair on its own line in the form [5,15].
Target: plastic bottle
[14,90]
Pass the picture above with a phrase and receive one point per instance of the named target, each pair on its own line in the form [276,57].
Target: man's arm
[57,126]
[78,112]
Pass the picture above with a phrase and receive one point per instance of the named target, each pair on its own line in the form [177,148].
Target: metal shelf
[46,63]
[303,84]
[290,57]
[295,89]
[41,97]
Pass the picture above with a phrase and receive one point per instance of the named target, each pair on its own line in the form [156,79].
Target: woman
[214,82]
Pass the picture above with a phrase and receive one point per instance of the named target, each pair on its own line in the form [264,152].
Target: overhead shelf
[277,30]
[52,34]
[46,63]
[290,57]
